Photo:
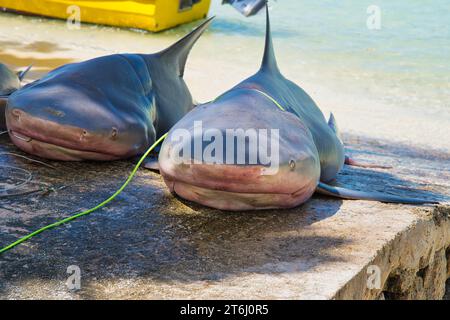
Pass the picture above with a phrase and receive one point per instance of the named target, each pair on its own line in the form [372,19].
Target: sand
[214,67]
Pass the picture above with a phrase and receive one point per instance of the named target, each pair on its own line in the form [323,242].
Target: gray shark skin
[108,108]
[9,82]
[311,152]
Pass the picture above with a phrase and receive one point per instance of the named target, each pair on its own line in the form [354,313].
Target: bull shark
[107,108]
[201,160]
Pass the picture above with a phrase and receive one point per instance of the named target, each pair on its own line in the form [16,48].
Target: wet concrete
[149,244]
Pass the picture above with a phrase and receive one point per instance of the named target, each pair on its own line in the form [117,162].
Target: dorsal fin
[179,51]
[269,62]
[21,74]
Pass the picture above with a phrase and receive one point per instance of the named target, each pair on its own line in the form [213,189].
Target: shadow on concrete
[147,233]
[398,151]
[416,172]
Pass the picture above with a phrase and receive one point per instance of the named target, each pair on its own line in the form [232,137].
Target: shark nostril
[83,134]
[292,164]
[16,113]
[114,133]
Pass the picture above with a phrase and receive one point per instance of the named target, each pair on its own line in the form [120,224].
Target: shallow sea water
[389,83]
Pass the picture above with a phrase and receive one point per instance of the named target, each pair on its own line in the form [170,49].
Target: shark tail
[344,193]
[355,163]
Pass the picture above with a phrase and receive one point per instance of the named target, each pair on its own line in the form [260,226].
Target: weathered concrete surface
[148,244]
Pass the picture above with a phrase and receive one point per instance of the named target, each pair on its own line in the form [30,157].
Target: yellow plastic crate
[152,15]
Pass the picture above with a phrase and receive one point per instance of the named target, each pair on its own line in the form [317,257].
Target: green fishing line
[270,98]
[78,215]
[111,198]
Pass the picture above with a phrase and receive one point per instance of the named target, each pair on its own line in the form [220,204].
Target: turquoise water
[392,83]
[406,62]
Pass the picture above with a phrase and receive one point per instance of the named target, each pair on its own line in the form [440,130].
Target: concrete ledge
[414,265]
[149,244]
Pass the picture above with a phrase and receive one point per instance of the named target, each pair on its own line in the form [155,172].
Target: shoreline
[355,113]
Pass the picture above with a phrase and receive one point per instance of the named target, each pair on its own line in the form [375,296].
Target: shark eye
[292,164]
[83,135]
[114,133]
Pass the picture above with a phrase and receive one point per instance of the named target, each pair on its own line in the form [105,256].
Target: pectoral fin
[344,193]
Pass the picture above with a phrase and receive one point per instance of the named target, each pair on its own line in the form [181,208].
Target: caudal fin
[246,7]
[344,193]
[355,163]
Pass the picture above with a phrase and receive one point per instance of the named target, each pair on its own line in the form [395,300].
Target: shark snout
[244,162]
[50,132]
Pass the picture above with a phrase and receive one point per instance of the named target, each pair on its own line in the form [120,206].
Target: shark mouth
[55,141]
[54,151]
[237,201]
[231,187]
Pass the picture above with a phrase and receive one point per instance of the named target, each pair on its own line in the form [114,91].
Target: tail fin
[21,74]
[179,51]
[246,7]
[354,163]
[269,62]
[343,193]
